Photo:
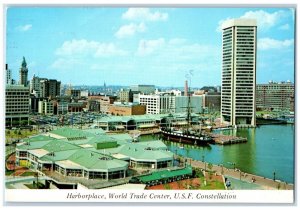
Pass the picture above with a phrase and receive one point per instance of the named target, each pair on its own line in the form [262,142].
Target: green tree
[210,172]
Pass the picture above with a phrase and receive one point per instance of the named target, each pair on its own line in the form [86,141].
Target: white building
[46,107]
[239,72]
[84,93]
[157,104]
[62,107]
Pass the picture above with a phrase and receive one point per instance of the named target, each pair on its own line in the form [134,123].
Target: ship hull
[185,139]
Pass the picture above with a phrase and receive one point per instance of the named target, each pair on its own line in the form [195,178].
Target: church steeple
[24,64]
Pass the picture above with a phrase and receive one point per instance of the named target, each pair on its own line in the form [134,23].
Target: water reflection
[269,149]
[241,156]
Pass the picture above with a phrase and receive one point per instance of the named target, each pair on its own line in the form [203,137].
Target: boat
[187,135]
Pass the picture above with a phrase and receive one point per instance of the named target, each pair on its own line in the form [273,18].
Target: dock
[225,139]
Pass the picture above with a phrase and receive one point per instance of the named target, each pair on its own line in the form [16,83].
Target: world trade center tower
[239,72]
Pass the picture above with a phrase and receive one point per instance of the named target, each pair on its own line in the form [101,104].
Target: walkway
[266,183]
[10,165]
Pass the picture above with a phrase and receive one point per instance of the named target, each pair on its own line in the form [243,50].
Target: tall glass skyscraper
[239,72]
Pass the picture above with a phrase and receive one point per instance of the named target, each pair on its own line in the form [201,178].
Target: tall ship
[187,134]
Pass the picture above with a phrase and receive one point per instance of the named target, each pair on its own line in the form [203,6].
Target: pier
[225,139]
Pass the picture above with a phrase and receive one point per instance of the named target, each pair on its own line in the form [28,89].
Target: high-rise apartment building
[277,96]
[24,73]
[239,72]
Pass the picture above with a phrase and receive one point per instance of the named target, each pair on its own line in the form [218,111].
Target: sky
[126,46]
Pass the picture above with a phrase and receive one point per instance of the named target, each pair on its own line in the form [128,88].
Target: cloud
[265,20]
[220,23]
[65,63]
[284,27]
[83,47]
[144,14]
[109,49]
[177,41]
[24,28]
[130,30]
[32,64]
[176,49]
[268,43]
[74,53]
[147,47]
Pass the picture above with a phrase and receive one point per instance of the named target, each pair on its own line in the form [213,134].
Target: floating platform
[224,139]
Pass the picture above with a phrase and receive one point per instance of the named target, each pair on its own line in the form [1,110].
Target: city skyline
[163,42]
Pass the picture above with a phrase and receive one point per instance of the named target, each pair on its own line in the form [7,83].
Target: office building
[84,94]
[181,104]
[8,75]
[275,96]
[50,88]
[157,104]
[239,72]
[104,104]
[46,107]
[62,107]
[74,107]
[35,86]
[144,89]
[126,109]
[125,95]
[74,93]
[212,101]
[17,105]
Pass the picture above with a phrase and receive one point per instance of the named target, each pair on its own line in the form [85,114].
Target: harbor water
[269,150]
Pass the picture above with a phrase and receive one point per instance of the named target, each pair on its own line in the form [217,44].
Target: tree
[209,166]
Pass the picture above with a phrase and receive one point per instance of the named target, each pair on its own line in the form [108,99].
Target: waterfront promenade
[265,183]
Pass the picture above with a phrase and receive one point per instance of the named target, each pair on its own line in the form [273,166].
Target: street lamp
[222,171]
[204,162]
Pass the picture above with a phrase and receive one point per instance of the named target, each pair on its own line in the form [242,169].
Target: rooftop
[239,22]
[98,151]
[165,174]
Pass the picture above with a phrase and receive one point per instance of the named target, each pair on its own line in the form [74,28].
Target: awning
[119,127]
[180,123]
[147,125]
[38,152]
